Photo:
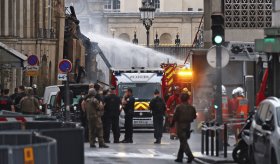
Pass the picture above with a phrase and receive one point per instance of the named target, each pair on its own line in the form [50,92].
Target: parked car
[265,133]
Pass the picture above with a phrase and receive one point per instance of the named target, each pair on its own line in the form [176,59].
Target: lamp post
[156,41]
[135,40]
[147,12]
[177,40]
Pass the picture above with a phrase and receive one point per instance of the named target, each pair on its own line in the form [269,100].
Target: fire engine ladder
[198,39]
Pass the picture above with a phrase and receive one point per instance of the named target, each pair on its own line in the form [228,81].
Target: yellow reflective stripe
[168,70]
[141,105]
[170,75]
[170,82]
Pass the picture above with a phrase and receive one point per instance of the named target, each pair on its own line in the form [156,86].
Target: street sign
[62,77]
[32,60]
[211,56]
[270,45]
[65,66]
[32,70]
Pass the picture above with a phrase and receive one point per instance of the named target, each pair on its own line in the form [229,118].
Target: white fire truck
[143,82]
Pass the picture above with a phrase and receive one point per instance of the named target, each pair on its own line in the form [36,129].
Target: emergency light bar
[119,72]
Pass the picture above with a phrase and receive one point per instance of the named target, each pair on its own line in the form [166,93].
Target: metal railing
[218,139]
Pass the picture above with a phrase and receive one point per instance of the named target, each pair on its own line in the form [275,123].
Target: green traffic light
[218,39]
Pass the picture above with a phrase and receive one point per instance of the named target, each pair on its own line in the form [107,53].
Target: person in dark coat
[128,106]
[20,95]
[111,116]
[183,117]
[158,108]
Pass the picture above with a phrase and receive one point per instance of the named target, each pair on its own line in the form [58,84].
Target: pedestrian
[93,108]
[6,103]
[112,105]
[158,108]
[128,106]
[14,95]
[29,104]
[20,95]
[183,117]
[99,92]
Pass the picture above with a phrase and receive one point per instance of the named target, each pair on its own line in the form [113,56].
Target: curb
[202,160]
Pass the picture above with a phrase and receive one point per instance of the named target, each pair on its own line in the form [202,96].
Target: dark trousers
[184,146]
[128,125]
[158,126]
[111,122]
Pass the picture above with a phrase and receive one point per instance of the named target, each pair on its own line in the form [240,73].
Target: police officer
[93,109]
[128,106]
[158,108]
[184,115]
[111,116]
[6,103]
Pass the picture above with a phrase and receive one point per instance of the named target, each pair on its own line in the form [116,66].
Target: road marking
[143,153]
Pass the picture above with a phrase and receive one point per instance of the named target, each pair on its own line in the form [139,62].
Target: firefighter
[225,102]
[186,91]
[232,106]
[242,104]
[242,109]
[93,109]
[171,104]
[158,108]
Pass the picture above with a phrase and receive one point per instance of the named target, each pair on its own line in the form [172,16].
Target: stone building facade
[34,27]
[121,19]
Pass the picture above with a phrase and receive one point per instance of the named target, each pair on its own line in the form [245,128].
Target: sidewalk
[208,159]
[205,159]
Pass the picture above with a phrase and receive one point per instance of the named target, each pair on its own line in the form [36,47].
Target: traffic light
[218,31]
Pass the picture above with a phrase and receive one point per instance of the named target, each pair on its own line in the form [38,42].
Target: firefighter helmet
[239,91]
[186,91]
[233,92]
[224,90]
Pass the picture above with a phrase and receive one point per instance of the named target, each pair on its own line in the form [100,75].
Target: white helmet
[233,92]
[224,91]
[239,91]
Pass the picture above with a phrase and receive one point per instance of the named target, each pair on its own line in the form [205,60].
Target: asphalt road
[143,150]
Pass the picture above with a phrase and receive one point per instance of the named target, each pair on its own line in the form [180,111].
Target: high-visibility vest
[242,108]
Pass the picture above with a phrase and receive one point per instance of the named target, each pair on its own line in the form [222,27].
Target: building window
[112,5]
[108,5]
[157,4]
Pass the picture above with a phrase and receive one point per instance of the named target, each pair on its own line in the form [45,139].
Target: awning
[11,57]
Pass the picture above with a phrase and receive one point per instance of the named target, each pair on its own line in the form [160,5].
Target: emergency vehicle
[143,82]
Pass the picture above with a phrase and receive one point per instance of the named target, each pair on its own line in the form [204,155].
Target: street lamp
[135,40]
[177,40]
[156,41]
[147,12]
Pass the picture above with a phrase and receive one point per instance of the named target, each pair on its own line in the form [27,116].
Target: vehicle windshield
[278,115]
[141,91]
